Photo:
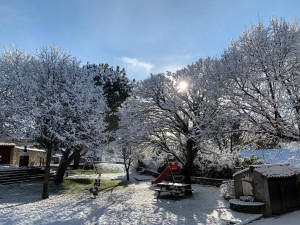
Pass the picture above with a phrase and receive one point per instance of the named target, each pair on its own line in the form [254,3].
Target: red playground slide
[162,176]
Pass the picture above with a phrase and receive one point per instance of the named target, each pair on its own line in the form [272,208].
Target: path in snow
[133,204]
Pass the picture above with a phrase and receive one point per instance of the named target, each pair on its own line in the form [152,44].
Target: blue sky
[143,36]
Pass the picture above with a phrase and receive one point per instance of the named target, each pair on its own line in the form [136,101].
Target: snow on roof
[273,170]
[277,170]
[241,171]
[6,144]
[31,149]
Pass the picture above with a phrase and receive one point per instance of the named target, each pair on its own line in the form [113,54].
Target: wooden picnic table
[173,188]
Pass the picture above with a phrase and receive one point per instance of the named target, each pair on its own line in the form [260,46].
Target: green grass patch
[78,186]
[110,171]
[93,171]
[86,172]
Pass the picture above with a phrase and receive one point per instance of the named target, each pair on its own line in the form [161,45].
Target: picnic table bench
[173,189]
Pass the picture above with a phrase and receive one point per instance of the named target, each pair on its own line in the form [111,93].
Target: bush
[141,165]
[215,171]
[227,190]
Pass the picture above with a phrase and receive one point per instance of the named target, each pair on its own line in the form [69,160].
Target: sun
[183,85]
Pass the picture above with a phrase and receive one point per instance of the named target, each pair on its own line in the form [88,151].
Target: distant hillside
[272,156]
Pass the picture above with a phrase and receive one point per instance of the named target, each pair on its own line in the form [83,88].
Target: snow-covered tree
[125,149]
[127,142]
[176,112]
[262,72]
[60,107]
[14,67]
[68,109]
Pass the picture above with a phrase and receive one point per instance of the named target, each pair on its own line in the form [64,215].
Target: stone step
[27,179]
[13,174]
[20,175]
[25,170]
[23,176]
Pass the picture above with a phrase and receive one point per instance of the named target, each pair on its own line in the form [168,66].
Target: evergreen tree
[116,87]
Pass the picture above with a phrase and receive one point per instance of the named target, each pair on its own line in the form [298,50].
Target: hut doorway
[5,153]
[283,194]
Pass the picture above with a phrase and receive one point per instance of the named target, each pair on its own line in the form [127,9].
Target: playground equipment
[169,173]
[163,176]
[174,166]
[89,164]
[95,189]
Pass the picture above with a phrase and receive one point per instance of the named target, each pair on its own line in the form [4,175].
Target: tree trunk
[76,161]
[59,176]
[187,173]
[67,158]
[45,193]
[127,165]
[187,178]
[190,156]
[127,173]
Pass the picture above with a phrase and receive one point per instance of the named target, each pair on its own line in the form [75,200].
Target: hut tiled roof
[273,170]
[277,170]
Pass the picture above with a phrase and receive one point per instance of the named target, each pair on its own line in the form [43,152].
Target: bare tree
[262,73]
[177,112]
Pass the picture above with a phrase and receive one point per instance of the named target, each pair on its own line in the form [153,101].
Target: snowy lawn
[136,203]
[292,218]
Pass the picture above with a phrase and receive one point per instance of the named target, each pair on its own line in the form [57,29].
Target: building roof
[6,144]
[31,149]
[273,170]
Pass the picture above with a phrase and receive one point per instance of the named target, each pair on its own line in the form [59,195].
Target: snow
[9,167]
[277,170]
[289,218]
[239,202]
[136,203]
[273,170]
[6,144]
[241,171]
[31,149]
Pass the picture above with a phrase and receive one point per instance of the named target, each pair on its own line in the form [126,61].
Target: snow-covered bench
[174,189]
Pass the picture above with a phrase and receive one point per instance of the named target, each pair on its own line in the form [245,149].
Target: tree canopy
[249,97]
[59,106]
[261,70]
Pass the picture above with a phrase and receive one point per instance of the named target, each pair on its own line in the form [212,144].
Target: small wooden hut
[277,185]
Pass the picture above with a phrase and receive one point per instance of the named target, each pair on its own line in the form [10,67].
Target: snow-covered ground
[134,204]
[292,218]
